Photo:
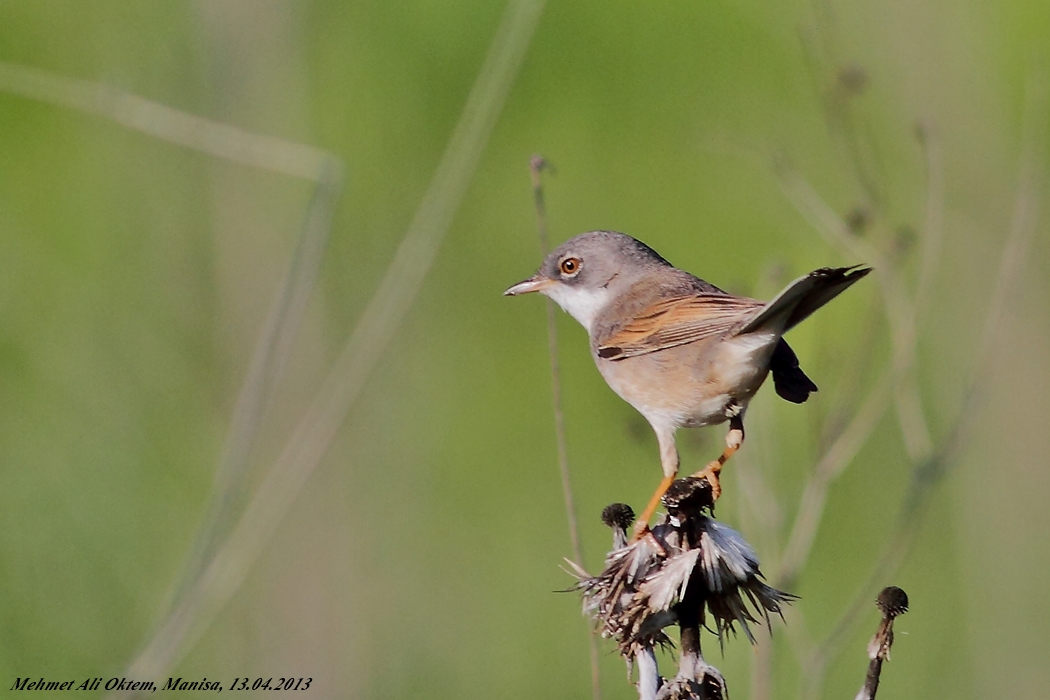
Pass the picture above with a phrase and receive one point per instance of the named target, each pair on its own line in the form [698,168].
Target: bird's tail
[804,296]
[789,380]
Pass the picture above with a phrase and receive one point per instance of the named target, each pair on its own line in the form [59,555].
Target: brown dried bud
[618,515]
[892,602]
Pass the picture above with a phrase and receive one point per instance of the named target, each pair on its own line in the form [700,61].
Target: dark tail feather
[788,378]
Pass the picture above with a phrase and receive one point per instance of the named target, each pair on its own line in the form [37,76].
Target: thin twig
[1025,213]
[933,226]
[169,124]
[759,508]
[900,377]
[901,312]
[892,603]
[851,385]
[928,473]
[536,166]
[229,567]
[838,102]
[837,91]
[811,506]
[273,346]
[272,350]
[899,309]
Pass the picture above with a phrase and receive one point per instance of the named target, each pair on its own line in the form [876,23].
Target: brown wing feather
[677,321]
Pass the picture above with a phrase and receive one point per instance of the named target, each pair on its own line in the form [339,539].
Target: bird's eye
[570,266]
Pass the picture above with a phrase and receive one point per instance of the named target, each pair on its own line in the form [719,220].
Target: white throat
[584,305]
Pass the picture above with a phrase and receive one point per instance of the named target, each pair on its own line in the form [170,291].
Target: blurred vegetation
[420,557]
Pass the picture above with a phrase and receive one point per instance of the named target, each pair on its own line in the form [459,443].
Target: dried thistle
[687,567]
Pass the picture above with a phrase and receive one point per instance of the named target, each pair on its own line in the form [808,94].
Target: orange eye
[570,266]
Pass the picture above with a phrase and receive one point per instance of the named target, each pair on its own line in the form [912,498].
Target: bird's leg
[734,439]
[669,462]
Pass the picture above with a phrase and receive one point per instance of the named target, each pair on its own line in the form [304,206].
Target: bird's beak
[536,283]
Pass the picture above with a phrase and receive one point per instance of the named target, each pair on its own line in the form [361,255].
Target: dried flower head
[613,597]
[619,517]
[687,559]
[892,601]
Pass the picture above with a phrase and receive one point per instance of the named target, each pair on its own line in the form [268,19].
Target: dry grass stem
[899,309]
[928,459]
[537,164]
[269,358]
[811,506]
[172,125]
[933,226]
[926,474]
[892,603]
[1025,216]
[229,567]
[277,336]
[273,347]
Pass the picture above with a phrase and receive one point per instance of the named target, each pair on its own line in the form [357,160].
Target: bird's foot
[711,472]
[641,527]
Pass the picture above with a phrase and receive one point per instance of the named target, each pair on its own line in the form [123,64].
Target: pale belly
[702,383]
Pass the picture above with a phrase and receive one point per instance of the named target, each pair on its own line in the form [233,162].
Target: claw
[710,472]
[642,525]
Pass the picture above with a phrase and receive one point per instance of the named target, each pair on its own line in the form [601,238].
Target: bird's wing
[677,321]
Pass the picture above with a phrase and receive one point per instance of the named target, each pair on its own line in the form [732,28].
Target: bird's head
[587,272]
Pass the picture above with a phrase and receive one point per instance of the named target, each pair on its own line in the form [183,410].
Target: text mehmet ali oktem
[283,683]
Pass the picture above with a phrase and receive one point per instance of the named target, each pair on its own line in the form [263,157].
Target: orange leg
[669,464]
[734,440]
[641,526]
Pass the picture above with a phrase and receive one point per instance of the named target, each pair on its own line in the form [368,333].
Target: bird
[681,351]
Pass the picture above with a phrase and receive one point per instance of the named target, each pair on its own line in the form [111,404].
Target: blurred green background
[422,556]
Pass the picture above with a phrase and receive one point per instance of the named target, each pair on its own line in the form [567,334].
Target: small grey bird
[683,352]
